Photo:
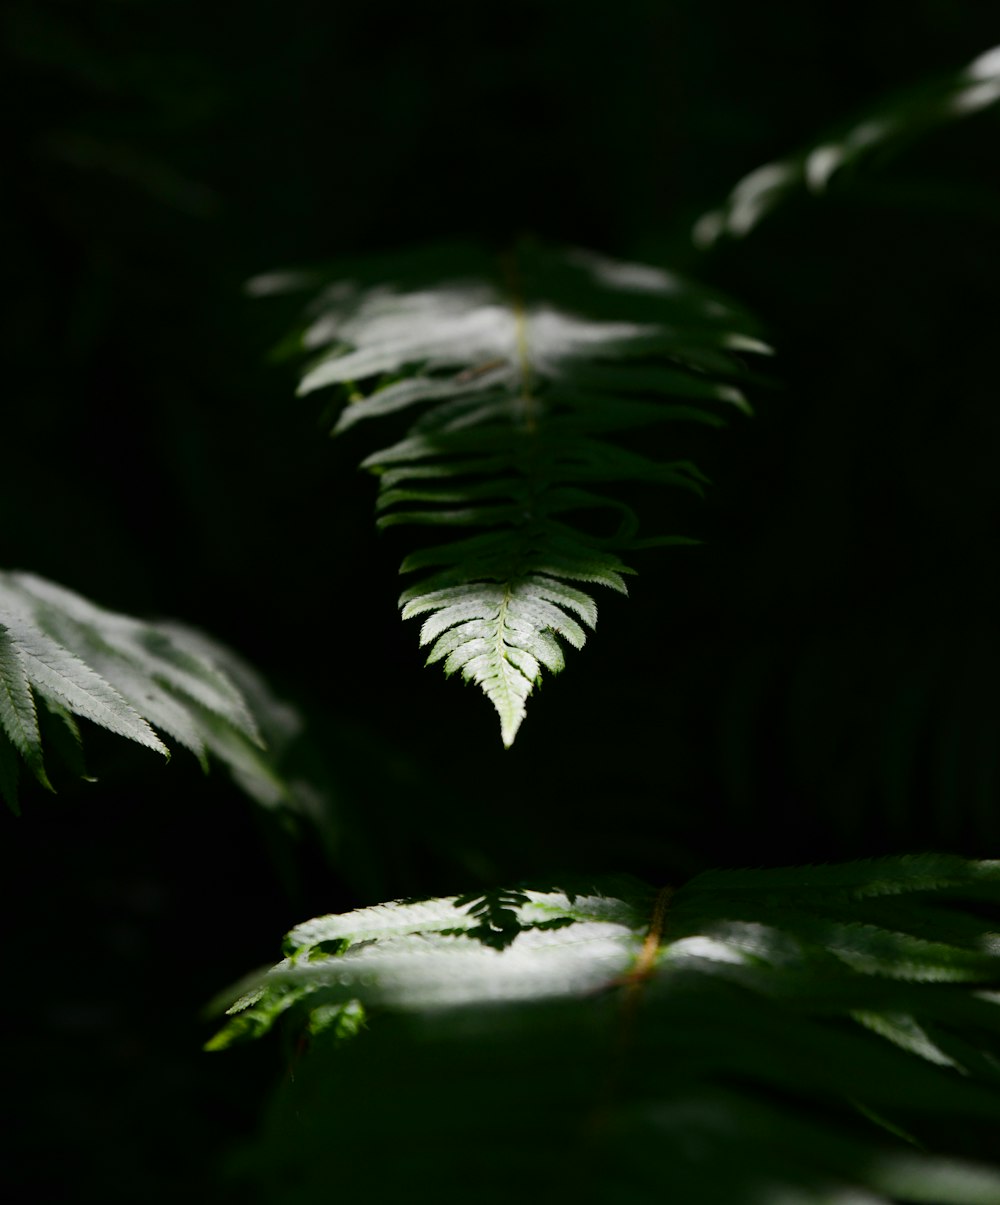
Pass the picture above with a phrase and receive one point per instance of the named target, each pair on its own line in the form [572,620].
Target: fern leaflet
[131,677]
[521,373]
[892,124]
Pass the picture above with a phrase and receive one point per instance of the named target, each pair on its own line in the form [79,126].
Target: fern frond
[521,372]
[17,707]
[893,123]
[131,677]
[757,1036]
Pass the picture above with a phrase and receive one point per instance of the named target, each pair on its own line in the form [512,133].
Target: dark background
[817,681]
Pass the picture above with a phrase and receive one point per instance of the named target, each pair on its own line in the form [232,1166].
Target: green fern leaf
[754,1036]
[130,677]
[17,709]
[518,373]
[894,123]
[57,674]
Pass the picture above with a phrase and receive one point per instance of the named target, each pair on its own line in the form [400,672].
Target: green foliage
[886,128]
[129,676]
[756,1036]
[522,370]
[820,1035]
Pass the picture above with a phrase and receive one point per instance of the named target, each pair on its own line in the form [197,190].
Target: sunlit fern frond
[521,371]
[812,1034]
[62,657]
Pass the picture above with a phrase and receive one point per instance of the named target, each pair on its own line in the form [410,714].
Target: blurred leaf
[888,126]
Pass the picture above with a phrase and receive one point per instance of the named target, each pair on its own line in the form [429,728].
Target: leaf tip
[509,727]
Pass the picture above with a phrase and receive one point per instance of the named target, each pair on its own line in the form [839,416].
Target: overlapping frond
[522,371]
[62,656]
[893,123]
[821,1034]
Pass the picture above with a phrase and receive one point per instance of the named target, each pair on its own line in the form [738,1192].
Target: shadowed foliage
[810,689]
